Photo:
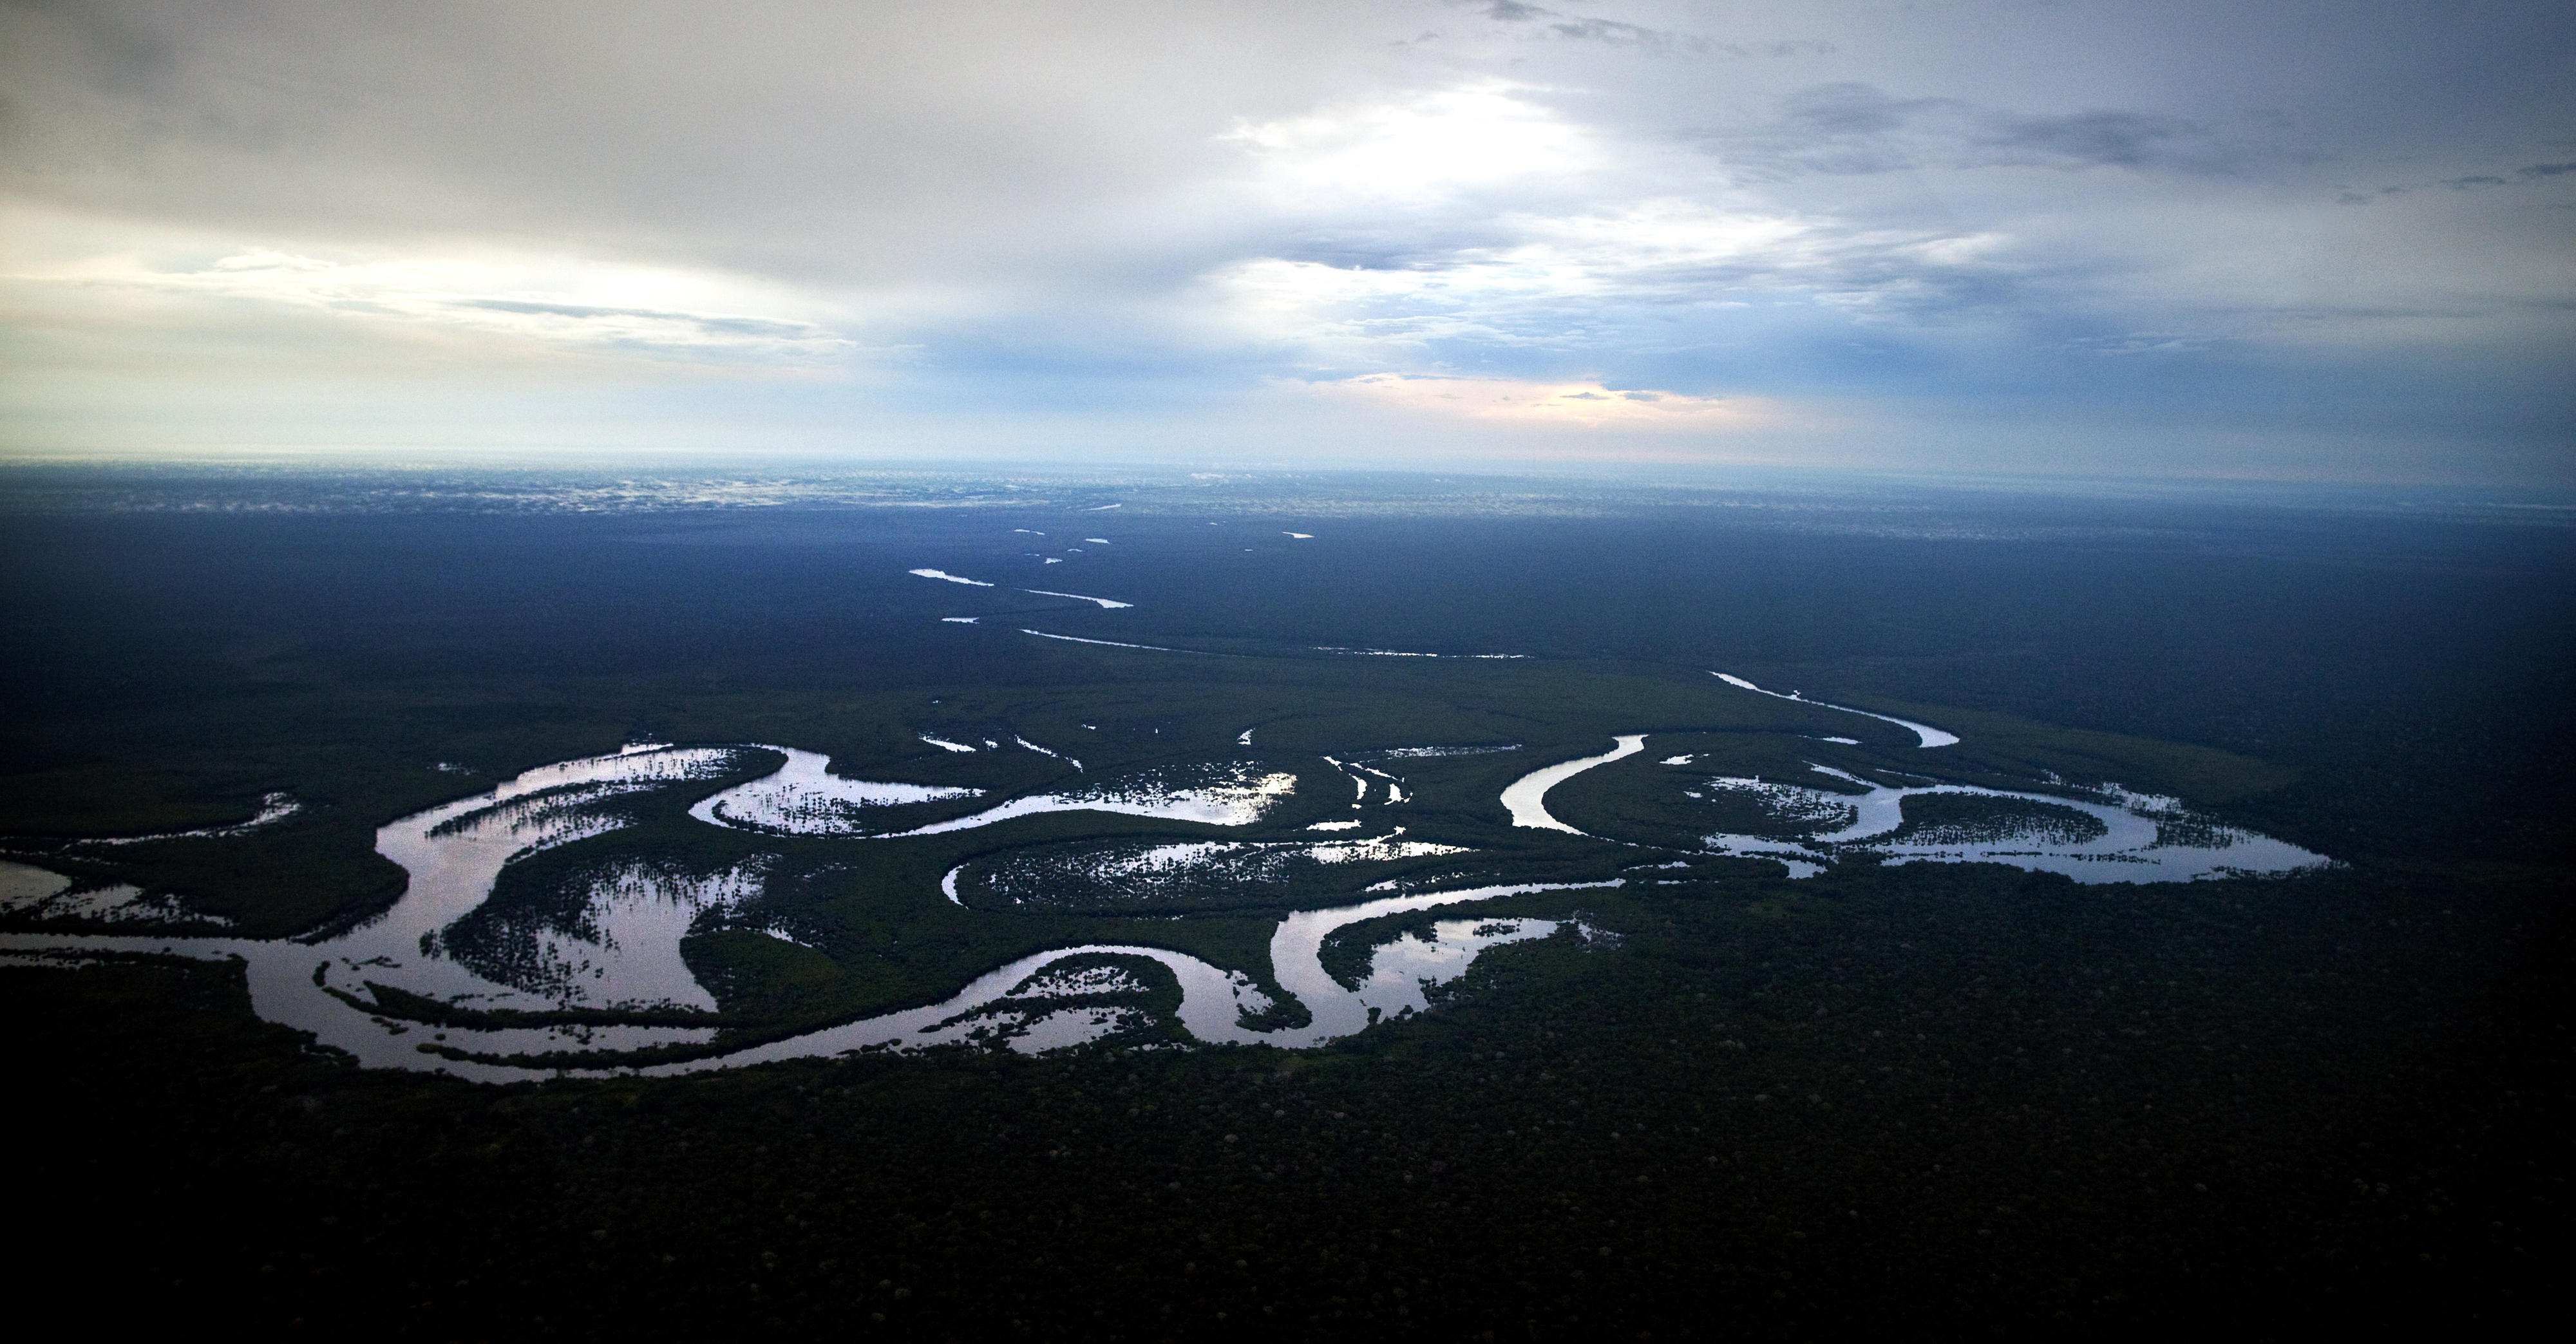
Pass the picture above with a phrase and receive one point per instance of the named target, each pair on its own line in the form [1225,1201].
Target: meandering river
[455,853]
[626,957]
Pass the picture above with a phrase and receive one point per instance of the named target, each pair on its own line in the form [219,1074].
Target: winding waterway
[1526,797]
[1925,734]
[622,953]
[455,853]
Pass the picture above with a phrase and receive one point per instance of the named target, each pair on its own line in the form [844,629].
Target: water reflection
[448,979]
[1526,798]
[2117,837]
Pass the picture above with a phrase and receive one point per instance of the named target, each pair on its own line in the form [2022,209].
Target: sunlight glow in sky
[2019,235]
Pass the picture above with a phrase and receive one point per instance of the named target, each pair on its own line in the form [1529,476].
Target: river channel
[625,956]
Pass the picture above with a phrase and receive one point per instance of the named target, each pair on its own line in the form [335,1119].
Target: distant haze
[2305,241]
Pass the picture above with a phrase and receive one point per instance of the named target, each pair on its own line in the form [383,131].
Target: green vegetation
[1914,1100]
[1966,819]
[1922,1101]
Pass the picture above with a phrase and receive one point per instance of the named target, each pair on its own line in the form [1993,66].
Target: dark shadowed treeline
[1959,1103]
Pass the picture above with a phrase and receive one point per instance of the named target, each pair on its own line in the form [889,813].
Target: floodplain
[1352,985]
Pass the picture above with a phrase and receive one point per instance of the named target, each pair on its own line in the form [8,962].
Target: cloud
[1032,223]
[2137,343]
[1638,37]
[1470,137]
[516,300]
[1530,404]
[2471,182]
[1855,128]
[1475,217]
[1573,287]
[2126,139]
[2481,181]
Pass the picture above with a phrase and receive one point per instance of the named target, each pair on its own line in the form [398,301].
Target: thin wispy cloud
[470,297]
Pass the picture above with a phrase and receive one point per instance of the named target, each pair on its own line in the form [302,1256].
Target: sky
[2277,241]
